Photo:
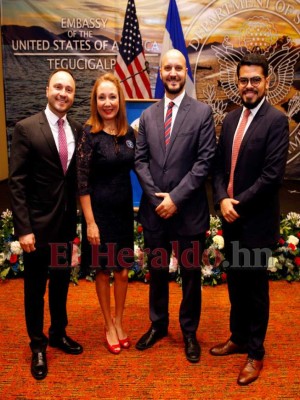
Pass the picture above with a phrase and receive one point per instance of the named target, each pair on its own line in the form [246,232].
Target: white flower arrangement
[11,253]
[16,248]
[293,239]
[287,255]
[284,263]
[218,241]
[273,263]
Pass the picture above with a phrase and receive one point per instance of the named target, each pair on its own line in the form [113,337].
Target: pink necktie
[62,144]
[236,148]
[168,123]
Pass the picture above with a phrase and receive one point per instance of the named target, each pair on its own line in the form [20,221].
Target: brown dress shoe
[224,349]
[250,371]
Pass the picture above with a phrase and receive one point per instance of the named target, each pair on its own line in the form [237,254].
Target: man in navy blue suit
[246,184]
[172,170]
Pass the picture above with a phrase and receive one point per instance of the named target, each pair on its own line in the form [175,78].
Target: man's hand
[27,242]
[166,208]
[93,234]
[228,210]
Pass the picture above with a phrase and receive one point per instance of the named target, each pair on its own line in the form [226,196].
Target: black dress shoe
[67,345]
[39,367]
[192,349]
[150,338]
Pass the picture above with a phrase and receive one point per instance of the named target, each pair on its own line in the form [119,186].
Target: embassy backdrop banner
[39,36]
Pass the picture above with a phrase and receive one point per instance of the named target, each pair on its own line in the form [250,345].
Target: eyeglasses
[255,81]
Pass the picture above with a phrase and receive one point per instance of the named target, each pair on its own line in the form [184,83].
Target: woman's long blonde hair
[95,120]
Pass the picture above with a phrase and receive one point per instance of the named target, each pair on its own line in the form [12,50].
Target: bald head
[173,72]
[173,53]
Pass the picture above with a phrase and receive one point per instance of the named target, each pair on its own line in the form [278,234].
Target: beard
[174,90]
[249,104]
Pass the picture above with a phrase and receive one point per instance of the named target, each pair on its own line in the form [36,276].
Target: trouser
[36,274]
[248,287]
[188,252]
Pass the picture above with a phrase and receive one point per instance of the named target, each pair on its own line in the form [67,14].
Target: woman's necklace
[113,132]
[110,131]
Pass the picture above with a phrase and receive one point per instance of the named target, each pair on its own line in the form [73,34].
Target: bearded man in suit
[43,197]
[173,160]
[246,182]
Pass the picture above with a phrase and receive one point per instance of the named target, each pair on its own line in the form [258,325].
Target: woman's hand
[93,234]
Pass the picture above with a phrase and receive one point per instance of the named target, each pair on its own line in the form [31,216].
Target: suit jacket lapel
[180,117]
[160,123]
[253,125]
[46,130]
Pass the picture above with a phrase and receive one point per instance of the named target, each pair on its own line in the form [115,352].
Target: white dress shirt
[177,101]
[52,119]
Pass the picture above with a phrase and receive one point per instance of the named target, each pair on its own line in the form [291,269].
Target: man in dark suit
[246,185]
[43,196]
[172,168]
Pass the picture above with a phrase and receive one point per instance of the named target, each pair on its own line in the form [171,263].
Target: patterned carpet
[159,373]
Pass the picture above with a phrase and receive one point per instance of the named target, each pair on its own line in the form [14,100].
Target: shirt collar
[176,101]
[53,118]
[255,109]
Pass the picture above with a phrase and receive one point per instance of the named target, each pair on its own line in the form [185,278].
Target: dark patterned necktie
[168,123]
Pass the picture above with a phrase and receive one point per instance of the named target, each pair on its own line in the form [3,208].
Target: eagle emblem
[258,35]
